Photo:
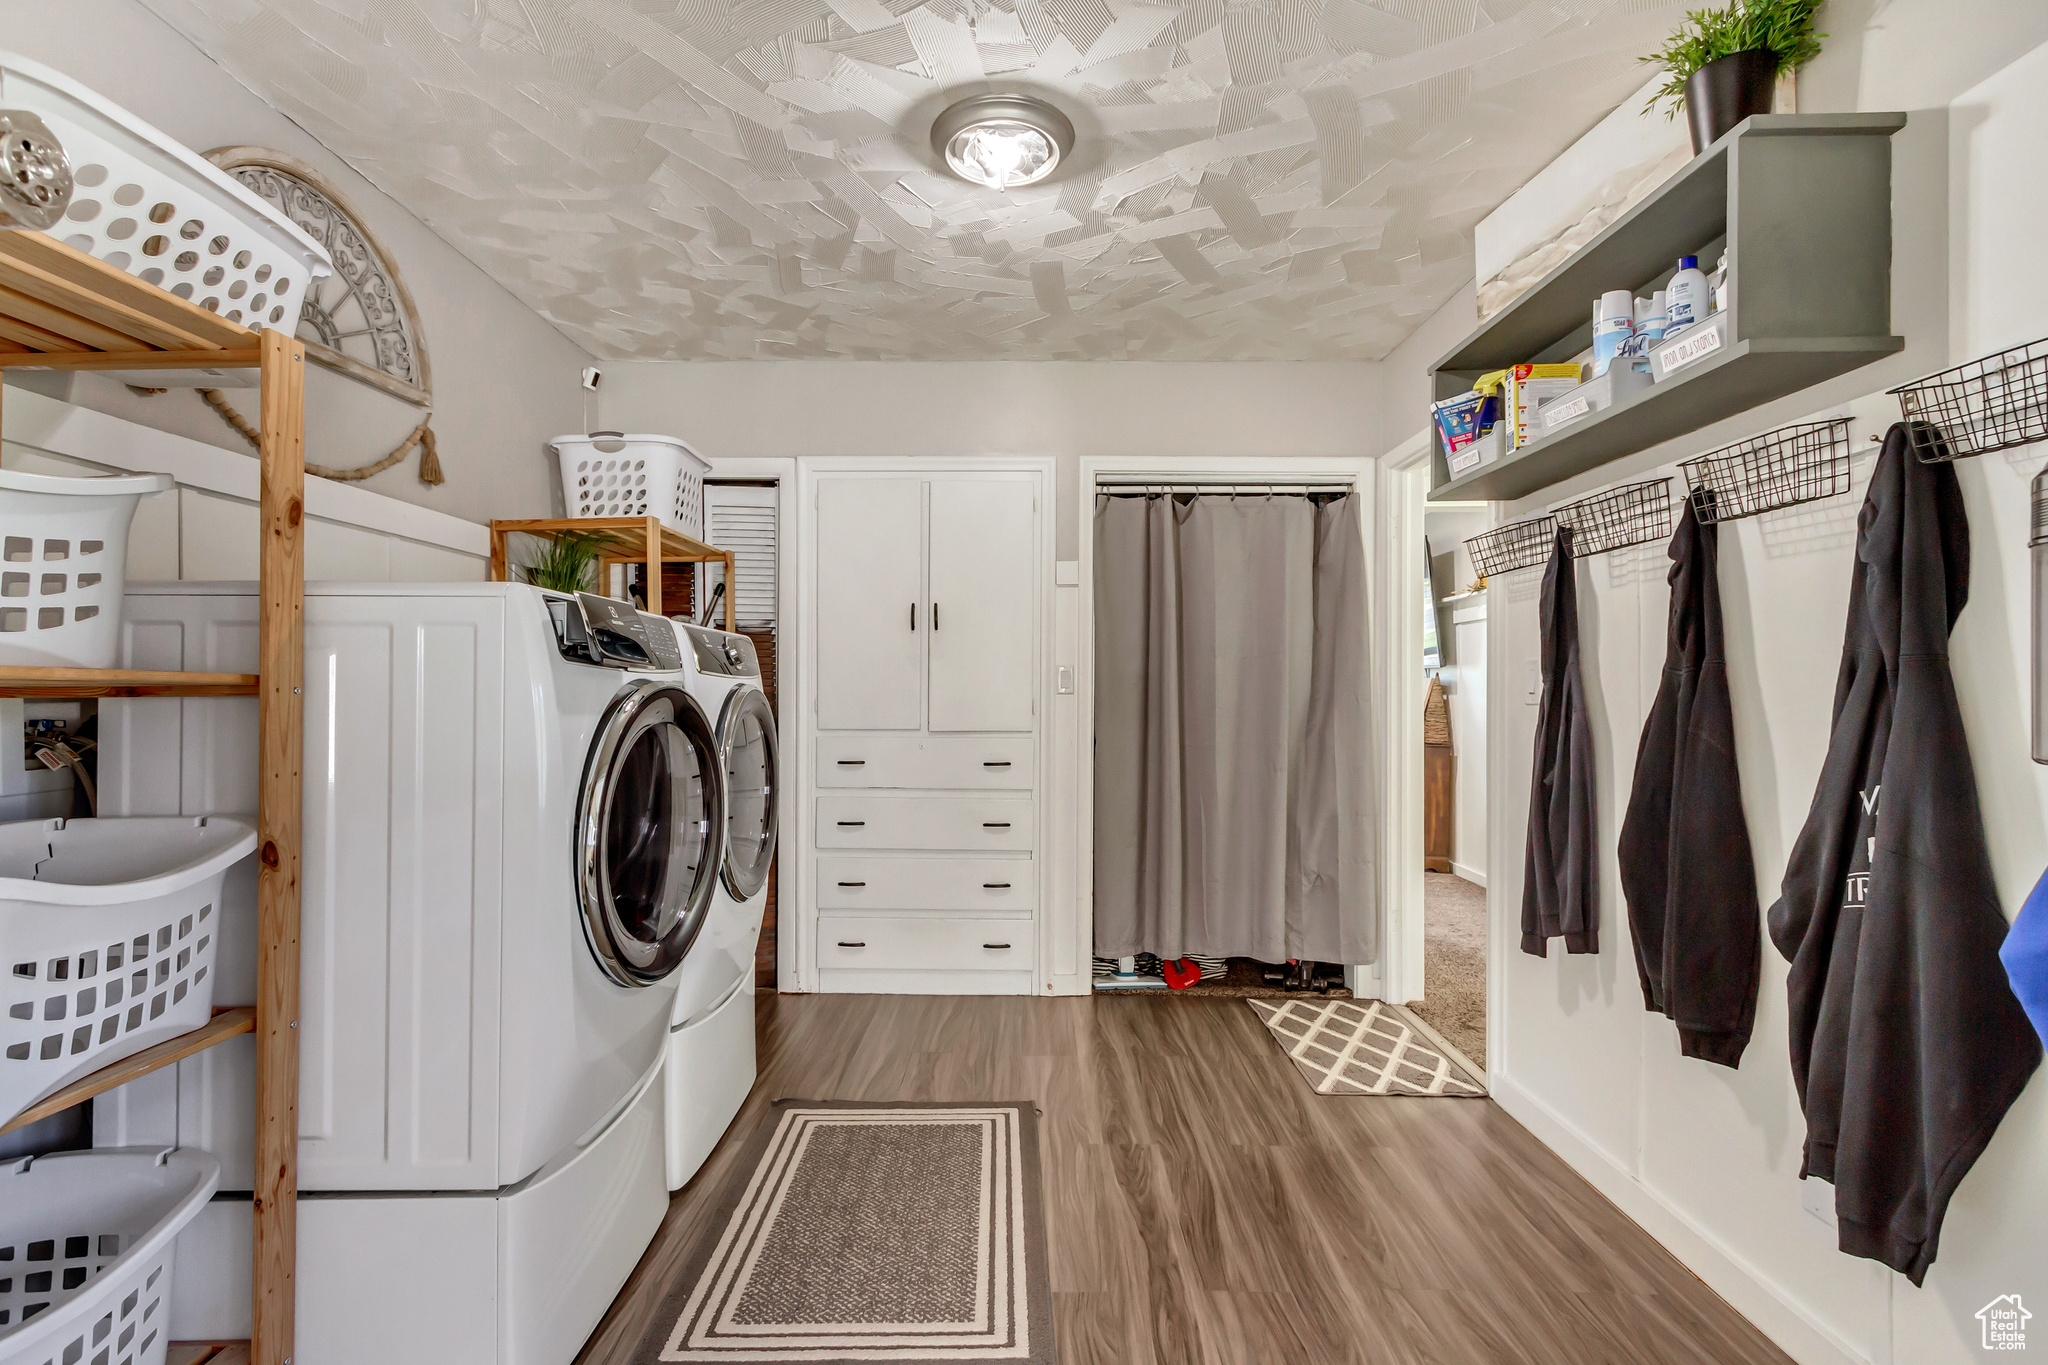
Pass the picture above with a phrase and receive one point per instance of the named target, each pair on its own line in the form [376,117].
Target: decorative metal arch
[361,321]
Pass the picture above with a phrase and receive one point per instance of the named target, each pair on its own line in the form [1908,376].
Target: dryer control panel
[723,654]
[598,630]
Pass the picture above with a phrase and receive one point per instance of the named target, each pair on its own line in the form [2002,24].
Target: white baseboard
[1470,874]
[1749,1292]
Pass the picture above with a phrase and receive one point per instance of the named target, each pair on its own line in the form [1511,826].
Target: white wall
[1064,409]
[504,380]
[1708,1158]
[205,526]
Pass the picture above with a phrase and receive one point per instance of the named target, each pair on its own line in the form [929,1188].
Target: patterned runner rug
[870,1232]
[1365,1047]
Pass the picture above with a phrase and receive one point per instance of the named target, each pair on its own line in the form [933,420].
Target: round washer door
[747,748]
[647,832]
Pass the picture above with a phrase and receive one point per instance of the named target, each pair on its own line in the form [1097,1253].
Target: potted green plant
[566,563]
[1722,64]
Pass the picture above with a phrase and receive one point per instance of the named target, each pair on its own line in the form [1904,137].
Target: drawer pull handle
[986,886]
[853,883]
[1004,764]
[995,824]
[844,944]
[853,763]
[995,945]
[852,822]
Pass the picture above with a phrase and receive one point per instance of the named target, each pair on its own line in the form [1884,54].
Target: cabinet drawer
[950,823]
[962,885]
[923,943]
[925,761]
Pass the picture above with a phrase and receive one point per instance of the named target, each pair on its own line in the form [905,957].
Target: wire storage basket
[1991,404]
[1517,545]
[1781,468]
[86,1242]
[1632,514]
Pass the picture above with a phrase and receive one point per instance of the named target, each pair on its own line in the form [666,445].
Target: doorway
[1452,656]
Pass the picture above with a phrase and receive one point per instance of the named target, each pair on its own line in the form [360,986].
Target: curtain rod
[1218,486]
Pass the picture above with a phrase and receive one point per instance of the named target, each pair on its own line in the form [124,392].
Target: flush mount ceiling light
[1002,141]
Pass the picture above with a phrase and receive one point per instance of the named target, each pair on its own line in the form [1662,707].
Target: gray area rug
[1365,1047]
[1454,962]
[870,1232]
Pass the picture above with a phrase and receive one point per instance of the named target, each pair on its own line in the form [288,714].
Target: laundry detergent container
[63,555]
[85,1252]
[610,474]
[108,935]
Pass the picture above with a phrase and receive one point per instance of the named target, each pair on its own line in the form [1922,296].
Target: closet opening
[1451,655]
[1234,792]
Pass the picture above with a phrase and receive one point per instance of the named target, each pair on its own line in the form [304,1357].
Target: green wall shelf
[1802,205]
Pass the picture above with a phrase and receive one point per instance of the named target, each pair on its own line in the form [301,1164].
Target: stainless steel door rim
[649,839]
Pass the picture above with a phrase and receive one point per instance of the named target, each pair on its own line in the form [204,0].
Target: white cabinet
[927,590]
[981,595]
[870,600]
[924,773]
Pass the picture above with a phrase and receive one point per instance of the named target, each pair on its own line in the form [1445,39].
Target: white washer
[513,828]
[711,1062]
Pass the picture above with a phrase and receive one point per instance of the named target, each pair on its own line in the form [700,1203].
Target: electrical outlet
[1817,1197]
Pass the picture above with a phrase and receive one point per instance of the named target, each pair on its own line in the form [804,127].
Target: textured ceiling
[691,179]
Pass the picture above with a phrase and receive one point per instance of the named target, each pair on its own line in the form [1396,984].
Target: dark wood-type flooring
[1204,1205]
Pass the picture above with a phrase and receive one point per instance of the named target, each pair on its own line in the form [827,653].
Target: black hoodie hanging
[1685,862]
[1907,1044]
[1561,873]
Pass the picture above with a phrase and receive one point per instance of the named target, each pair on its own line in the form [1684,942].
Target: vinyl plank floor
[1204,1207]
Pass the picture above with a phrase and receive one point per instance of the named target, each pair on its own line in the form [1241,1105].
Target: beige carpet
[1454,963]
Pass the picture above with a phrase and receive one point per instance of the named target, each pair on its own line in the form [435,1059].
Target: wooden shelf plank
[36,681]
[218,1029]
[63,276]
[232,359]
[207,1353]
[625,535]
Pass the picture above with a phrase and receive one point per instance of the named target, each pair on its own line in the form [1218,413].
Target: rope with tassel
[422,436]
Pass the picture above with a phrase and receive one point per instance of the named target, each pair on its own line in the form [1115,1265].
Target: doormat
[1366,1047]
[870,1232]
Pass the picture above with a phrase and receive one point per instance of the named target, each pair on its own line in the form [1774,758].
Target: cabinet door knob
[844,944]
[1003,764]
[853,883]
[994,824]
[935,616]
[853,763]
[986,886]
[852,822]
[995,945]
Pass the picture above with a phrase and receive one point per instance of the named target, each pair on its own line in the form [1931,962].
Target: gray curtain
[1233,765]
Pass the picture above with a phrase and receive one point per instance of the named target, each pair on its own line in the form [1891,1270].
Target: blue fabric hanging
[2025,955]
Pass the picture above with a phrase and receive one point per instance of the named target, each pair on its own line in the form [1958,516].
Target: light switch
[1817,1197]
[1065,680]
[1532,682]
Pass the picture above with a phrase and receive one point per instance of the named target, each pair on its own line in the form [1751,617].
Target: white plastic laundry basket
[85,1252]
[149,206]
[63,555]
[107,932]
[609,474]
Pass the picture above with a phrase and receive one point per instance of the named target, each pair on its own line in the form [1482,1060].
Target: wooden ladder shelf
[60,309]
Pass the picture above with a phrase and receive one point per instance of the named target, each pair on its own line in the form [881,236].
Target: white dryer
[711,1061]
[513,829]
